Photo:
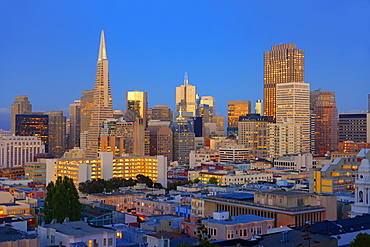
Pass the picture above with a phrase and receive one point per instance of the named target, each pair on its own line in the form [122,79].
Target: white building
[16,150]
[296,162]
[76,232]
[199,158]
[230,155]
[293,103]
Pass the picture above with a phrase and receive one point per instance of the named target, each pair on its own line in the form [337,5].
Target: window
[110,241]
[105,242]
[90,243]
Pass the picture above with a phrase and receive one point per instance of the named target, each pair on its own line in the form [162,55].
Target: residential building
[76,233]
[21,105]
[186,97]
[222,227]
[16,150]
[107,166]
[10,236]
[12,173]
[283,64]
[102,108]
[162,223]
[160,205]
[324,108]
[236,109]
[200,157]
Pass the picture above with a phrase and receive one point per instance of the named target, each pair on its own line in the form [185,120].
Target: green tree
[144,180]
[204,237]
[213,180]
[196,181]
[62,201]
[361,240]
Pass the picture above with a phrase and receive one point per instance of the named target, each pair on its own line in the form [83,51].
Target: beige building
[285,138]
[186,97]
[21,105]
[15,151]
[293,103]
[137,101]
[102,108]
[160,112]
[85,108]
[106,166]
[229,155]
[283,64]
[287,208]
[157,206]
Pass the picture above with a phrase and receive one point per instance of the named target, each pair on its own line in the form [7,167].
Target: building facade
[102,108]
[183,139]
[236,109]
[21,105]
[324,108]
[354,127]
[16,150]
[74,124]
[186,97]
[137,101]
[283,64]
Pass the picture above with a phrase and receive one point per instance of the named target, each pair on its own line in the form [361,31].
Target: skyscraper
[236,109]
[283,64]
[186,97]
[137,100]
[21,105]
[85,108]
[325,111]
[258,107]
[293,106]
[75,124]
[102,108]
[160,112]
[183,139]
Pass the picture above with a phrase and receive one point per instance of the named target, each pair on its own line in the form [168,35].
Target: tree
[62,201]
[361,240]
[196,181]
[213,180]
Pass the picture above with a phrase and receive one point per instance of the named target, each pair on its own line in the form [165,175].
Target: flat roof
[240,219]
[77,228]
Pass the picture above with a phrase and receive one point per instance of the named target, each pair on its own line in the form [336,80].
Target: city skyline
[53,61]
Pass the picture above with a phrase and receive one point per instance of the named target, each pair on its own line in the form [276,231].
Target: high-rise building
[236,109]
[186,97]
[102,108]
[285,138]
[354,127]
[21,105]
[57,133]
[220,125]
[324,108]
[207,108]
[161,141]
[183,139]
[253,131]
[85,108]
[258,107]
[16,150]
[137,100]
[160,112]
[74,124]
[293,103]
[33,124]
[283,64]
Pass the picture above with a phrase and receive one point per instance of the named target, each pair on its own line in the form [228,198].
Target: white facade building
[16,150]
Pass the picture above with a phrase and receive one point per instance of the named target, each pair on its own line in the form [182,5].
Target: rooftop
[240,219]
[10,234]
[77,228]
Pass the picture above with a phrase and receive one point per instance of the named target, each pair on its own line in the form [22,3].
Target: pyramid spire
[102,48]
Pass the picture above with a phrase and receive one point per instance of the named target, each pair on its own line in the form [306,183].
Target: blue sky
[49,48]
